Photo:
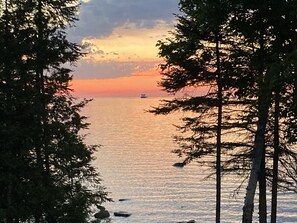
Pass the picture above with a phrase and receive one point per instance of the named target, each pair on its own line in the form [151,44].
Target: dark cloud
[97,18]
[92,48]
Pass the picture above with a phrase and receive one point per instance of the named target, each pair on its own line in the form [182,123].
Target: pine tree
[44,154]
[254,47]
[197,57]
[268,18]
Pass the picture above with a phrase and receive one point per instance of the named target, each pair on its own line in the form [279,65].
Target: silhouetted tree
[46,171]
[268,19]
[197,56]
[253,48]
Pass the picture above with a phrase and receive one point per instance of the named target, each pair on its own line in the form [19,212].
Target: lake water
[135,162]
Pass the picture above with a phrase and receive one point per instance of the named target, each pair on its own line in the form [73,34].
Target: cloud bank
[98,18]
[120,37]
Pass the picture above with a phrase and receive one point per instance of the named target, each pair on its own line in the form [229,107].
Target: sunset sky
[121,37]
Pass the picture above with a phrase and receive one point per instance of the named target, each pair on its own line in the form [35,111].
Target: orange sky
[122,63]
[122,86]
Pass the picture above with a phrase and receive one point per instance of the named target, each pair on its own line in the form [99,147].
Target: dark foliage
[45,167]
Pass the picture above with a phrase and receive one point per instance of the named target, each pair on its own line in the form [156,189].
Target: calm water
[135,163]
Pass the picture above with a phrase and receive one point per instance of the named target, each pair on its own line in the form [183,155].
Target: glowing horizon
[116,87]
[125,63]
[122,57]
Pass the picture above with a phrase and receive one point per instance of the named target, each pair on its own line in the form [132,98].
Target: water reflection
[135,163]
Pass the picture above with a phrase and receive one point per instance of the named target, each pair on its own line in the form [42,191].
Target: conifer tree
[196,57]
[268,19]
[46,173]
[254,47]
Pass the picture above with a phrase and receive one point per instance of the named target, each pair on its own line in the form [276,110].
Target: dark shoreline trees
[269,19]
[256,63]
[195,57]
[46,172]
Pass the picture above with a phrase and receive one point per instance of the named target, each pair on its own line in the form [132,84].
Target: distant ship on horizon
[143,95]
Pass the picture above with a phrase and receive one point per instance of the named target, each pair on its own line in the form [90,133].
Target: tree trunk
[39,98]
[264,104]
[262,192]
[219,129]
[275,159]
[9,103]
[43,113]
